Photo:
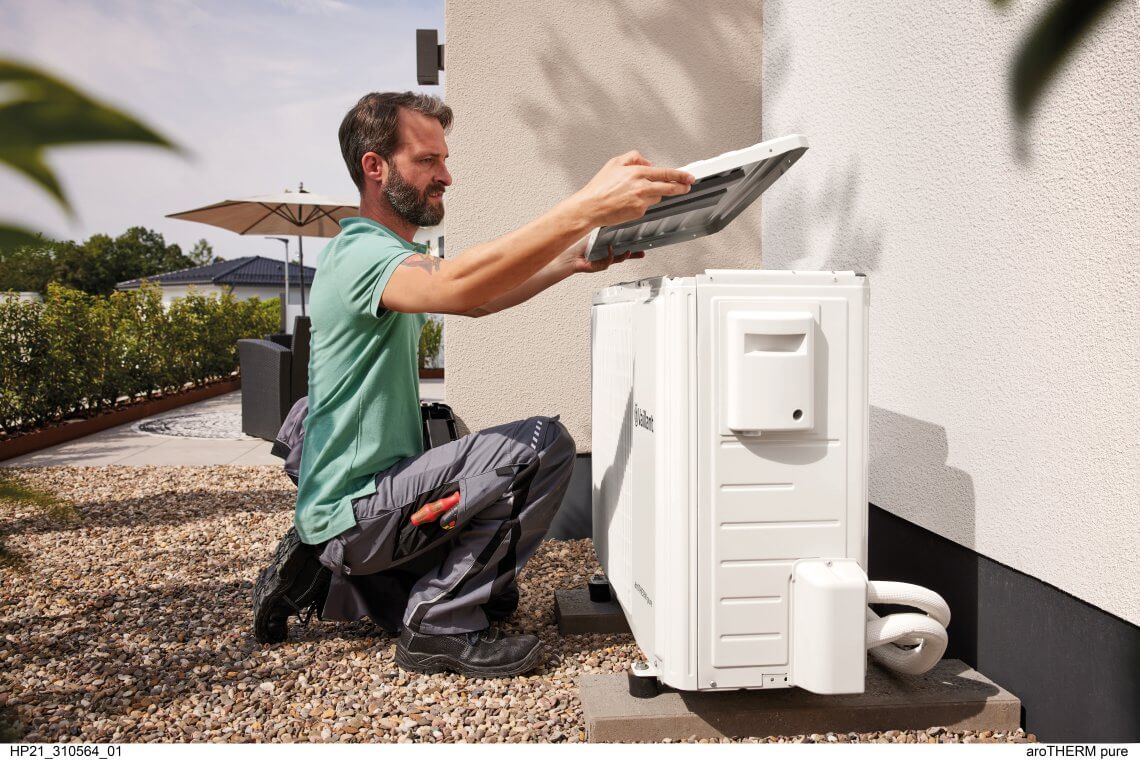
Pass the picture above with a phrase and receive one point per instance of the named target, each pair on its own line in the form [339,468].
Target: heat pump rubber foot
[599,587]
[643,687]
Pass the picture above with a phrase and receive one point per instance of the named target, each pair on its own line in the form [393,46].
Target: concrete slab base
[576,614]
[951,695]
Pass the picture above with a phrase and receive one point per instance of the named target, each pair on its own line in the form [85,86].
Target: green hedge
[430,340]
[75,352]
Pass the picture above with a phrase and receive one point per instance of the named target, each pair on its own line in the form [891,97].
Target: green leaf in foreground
[38,111]
[12,237]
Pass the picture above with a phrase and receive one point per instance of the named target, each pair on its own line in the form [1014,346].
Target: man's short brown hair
[372,125]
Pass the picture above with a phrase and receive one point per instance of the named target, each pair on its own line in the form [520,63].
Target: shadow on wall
[908,457]
[816,230]
[777,51]
[628,111]
[908,462]
[822,230]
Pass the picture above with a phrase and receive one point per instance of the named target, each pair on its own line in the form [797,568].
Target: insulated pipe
[908,643]
[906,594]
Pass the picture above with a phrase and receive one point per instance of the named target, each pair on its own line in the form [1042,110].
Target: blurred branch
[38,111]
[12,237]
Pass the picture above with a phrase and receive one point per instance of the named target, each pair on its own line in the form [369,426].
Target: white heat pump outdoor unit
[730,438]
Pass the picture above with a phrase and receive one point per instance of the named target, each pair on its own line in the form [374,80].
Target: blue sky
[254,89]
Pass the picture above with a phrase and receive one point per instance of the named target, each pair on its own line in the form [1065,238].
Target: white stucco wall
[545,92]
[1005,330]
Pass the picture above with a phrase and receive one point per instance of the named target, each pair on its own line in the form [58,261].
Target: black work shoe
[503,605]
[295,582]
[484,653]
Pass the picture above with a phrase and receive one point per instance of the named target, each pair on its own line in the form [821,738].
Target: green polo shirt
[364,396]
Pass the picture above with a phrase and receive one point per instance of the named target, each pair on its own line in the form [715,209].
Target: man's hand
[627,185]
[573,260]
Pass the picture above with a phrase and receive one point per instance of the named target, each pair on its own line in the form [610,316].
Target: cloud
[315,6]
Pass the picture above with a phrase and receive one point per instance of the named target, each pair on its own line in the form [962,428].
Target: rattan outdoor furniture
[274,375]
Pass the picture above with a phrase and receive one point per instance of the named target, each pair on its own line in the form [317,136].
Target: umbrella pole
[285,319]
[301,252]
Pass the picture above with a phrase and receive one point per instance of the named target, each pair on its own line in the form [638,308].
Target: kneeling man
[459,520]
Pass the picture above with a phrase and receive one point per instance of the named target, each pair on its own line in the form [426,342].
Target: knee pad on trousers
[556,437]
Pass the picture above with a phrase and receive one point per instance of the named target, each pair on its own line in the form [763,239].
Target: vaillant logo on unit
[642,418]
[639,589]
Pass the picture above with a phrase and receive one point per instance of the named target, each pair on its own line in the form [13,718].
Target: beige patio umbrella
[298,213]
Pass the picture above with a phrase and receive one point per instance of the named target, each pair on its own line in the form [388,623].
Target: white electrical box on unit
[730,447]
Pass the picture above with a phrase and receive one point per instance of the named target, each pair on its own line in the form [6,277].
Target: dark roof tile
[243,271]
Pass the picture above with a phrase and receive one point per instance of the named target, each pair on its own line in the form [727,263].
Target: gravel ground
[131,622]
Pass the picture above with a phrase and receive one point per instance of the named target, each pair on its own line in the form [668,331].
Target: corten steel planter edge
[21,444]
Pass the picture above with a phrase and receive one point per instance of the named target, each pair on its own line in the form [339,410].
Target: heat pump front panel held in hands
[730,441]
[726,185]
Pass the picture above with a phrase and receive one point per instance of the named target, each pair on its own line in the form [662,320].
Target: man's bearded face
[420,208]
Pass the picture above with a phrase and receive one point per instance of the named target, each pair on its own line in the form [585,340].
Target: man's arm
[485,274]
[571,261]
[536,284]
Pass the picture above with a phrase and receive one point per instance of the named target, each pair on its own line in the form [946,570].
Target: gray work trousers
[511,480]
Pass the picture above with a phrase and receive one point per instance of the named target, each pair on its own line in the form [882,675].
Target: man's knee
[558,446]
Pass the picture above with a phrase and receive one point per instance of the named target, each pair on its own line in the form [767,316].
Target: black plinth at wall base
[576,614]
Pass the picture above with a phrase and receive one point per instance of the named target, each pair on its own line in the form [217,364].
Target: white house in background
[23,296]
[433,237]
[247,277]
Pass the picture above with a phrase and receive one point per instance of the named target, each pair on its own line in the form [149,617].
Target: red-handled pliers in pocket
[436,508]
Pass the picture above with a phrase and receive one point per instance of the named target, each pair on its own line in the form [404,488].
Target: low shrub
[431,339]
[76,354]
